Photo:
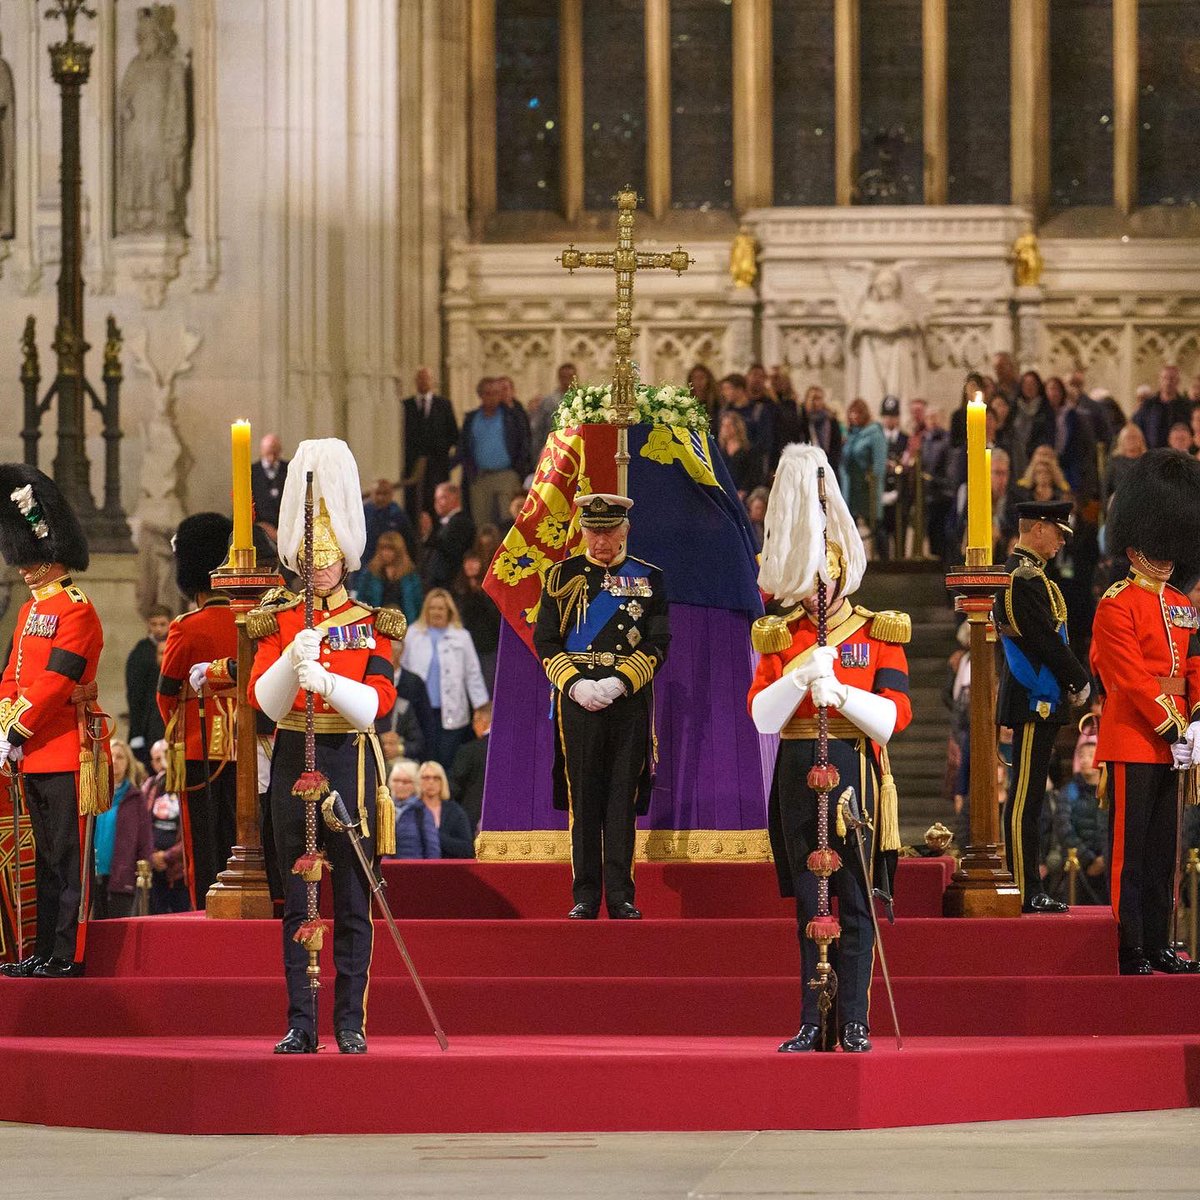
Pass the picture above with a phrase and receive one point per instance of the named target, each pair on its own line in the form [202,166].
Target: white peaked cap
[335,479]
[794,531]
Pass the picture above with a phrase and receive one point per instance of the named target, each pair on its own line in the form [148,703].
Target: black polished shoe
[804,1041]
[1134,962]
[1169,963]
[297,1041]
[625,912]
[351,1041]
[584,912]
[22,969]
[1041,903]
[854,1038]
[57,968]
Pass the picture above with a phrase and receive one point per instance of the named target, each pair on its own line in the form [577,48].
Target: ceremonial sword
[337,818]
[854,820]
[14,790]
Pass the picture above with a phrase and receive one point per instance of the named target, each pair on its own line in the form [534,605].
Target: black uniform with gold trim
[603,623]
[1037,676]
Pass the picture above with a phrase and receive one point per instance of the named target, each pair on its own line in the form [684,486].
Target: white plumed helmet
[335,480]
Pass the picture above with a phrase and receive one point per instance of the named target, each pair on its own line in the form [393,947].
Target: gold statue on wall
[743,259]
[1028,263]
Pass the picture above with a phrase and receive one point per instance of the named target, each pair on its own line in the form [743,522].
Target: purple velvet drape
[714,770]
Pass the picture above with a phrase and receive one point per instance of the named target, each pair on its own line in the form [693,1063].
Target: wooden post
[846,104]
[241,891]
[658,107]
[982,886]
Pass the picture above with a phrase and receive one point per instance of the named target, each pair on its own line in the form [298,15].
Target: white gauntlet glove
[198,677]
[611,689]
[1181,755]
[314,678]
[585,693]
[828,692]
[819,666]
[304,647]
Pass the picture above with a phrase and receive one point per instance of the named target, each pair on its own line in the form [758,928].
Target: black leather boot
[351,1041]
[1169,963]
[58,968]
[805,1040]
[854,1038]
[297,1041]
[22,969]
[1041,903]
[1133,961]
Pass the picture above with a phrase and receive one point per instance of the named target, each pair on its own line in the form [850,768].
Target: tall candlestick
[991,532]
[243,505]
[979,484]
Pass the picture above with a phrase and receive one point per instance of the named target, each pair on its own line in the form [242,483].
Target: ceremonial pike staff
[17,793]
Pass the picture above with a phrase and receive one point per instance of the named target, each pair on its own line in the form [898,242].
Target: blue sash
[600,611]
[1041,685]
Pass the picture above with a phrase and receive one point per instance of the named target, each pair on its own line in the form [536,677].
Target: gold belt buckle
[606,658]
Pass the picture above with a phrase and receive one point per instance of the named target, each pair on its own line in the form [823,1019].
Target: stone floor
[1142,1155]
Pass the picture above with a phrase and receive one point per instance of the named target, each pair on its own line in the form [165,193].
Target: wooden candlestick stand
[241,890]
[983,885]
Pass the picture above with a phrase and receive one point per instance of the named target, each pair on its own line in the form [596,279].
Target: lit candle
[243,505]
[991,533]
[979,485]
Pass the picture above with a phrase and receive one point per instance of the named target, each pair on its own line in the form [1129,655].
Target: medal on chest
[43,625]
[626,585]
[856,654]
[360,636]
[1183,616]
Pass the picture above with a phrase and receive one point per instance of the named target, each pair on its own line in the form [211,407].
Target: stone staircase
[919,754]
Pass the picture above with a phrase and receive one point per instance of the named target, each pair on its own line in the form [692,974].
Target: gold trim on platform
[653,845]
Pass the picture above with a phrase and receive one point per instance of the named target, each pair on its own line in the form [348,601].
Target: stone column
[846,109]
[1125,104]
[570,106]
[658,107]
[1030,139]
[753,146]
[482,61]
[1028,305]
[933,43]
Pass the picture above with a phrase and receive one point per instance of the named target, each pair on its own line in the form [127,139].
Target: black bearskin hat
[201,546]
[1156,509]
[38,526]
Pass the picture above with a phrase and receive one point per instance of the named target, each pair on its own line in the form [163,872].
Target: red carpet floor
[670,1023]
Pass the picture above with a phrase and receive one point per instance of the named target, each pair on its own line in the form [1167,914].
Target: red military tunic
[1146,654]
[56,648]
[866,660]
[204,635]
[352,647]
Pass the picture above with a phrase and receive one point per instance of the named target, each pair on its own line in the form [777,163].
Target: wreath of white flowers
[661,404]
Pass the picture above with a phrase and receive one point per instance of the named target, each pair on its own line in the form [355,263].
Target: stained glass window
[701,104]
[614,99]
[1168,102]
[804,101]
[1081,103]
[891,143]
[527,175]
[977,82]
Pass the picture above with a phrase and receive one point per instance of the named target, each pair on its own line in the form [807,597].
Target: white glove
[586,694]
[314,678]
[612,688]
[819,666]
[198,676]
[828,692]
[1181,752]
[1191,735]
[1080,697]
[137,743]
[5,750]
[304,647]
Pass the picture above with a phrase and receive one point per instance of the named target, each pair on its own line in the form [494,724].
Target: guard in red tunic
[345,661]
[49,728]
[202,736]
[861,675]
[1146,657]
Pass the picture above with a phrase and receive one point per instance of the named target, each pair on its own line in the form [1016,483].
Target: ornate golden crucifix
[625,260]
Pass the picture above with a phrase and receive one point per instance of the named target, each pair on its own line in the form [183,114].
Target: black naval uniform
[598,623]
[1031,618]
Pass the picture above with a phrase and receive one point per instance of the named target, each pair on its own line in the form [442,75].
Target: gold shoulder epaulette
[391,622]
[1116,589]
[264,620]
[1027,570]
[770,635]
[892,626]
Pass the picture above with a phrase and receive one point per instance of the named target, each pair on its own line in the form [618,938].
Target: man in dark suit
[266,482]
[141,685]
[430,436]
[447,536]
[467,770]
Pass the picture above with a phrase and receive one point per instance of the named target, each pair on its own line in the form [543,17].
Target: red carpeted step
[720,889]
[1082,943]
[515,1084]
[651,1007]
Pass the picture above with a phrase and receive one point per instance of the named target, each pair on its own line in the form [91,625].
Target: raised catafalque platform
[669,1024]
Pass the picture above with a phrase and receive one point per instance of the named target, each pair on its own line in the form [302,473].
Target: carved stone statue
[8,152]
[1027,260]
[887,338]
[743,259]
[152,130]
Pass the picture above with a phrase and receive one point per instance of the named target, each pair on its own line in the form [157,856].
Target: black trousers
[1033,744]
[604,753]
[353,933]
[53,805]
[1142,828]
[853,954]
[210,825]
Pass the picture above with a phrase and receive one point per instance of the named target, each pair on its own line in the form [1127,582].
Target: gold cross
[625,260]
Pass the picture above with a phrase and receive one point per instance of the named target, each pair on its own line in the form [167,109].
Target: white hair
[794,530]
